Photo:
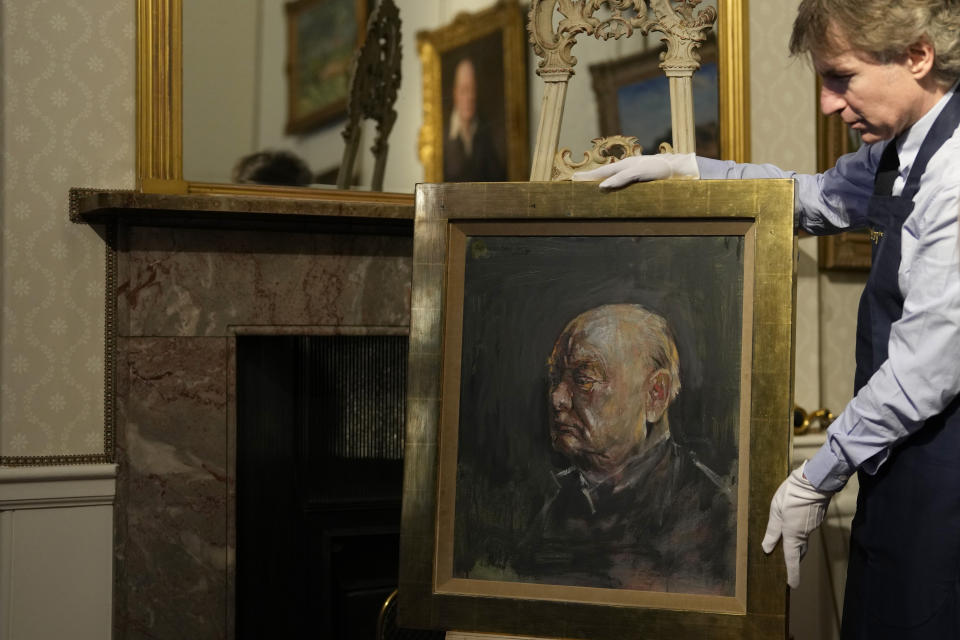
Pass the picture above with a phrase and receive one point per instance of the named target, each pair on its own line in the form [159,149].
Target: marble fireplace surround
[185,276]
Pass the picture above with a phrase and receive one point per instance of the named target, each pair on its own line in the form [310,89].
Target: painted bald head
[613,372]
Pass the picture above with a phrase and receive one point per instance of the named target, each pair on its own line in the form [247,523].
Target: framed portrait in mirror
[322,36]
[598,409]
[633,99]
[475,98]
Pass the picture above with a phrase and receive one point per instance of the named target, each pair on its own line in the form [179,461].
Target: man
[633,510]
[890,69]
[469,153]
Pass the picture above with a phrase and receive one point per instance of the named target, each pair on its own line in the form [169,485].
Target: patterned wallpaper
[68,87]
[784,133]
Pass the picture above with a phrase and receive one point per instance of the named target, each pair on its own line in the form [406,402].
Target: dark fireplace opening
[319,475]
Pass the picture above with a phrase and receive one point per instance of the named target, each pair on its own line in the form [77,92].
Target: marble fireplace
[188,279]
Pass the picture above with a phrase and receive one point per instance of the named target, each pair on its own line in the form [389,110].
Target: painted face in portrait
[605,392]
[465,91]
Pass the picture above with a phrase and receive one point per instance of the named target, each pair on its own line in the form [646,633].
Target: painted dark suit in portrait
[472,146]
[598,435]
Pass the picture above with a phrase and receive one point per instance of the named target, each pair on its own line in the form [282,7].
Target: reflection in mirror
[237,87]
[235,93]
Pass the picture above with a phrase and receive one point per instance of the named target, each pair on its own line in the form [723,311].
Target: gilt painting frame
[495,41]
[850,250]
[480,340]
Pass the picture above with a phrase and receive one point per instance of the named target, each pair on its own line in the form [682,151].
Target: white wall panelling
[56,552]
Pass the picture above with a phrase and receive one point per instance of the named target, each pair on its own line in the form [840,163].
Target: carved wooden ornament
[373,91]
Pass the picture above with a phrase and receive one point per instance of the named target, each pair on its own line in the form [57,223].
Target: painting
[322,36]
[851,250]
[475,98]
[598,432]
[599,392]
[633,99]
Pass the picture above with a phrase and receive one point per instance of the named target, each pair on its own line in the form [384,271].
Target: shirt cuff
[825,471]
[711,169]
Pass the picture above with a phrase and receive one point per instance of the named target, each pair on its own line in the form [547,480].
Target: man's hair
[882,29]
[274,168]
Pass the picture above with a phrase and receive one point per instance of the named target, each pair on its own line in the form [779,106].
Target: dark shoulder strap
[941,131]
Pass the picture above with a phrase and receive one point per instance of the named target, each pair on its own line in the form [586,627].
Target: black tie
[887,170]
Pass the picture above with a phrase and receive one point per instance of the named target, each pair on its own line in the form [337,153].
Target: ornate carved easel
[373,90]
[684,29]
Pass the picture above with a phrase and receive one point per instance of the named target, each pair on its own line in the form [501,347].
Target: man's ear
[658,395]
[920,56]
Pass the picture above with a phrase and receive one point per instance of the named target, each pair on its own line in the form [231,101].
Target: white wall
[219,86]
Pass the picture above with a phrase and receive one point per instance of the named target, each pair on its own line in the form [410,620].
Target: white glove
[641,169]
[796,510]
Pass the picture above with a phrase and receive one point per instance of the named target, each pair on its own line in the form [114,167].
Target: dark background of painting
[519,293]
[487,56]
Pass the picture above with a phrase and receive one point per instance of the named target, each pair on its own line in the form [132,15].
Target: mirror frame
[159,164]
[733,79]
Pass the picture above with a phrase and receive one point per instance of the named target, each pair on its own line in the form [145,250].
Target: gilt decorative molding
[160,96]
[684,28]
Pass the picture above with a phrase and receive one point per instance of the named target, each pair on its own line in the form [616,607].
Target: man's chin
[872,137]
[567,443]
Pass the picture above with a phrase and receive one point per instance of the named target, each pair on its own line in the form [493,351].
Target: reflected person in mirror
[278,168]
[889,69]
[634,509]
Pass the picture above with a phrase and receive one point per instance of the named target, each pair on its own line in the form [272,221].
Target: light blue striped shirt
[922,373]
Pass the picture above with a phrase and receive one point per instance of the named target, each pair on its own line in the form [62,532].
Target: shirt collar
[908,144]
[458,129]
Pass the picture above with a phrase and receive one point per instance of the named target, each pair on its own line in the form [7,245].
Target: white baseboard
[56,552]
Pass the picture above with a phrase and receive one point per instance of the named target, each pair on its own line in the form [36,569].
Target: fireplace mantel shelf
[97,206]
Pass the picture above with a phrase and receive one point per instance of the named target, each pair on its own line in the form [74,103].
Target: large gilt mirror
[193,126]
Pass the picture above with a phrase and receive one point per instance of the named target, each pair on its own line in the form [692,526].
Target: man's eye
[837,80]
[584,380]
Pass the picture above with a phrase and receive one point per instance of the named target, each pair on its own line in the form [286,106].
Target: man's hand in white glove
[642,169]
[796,510]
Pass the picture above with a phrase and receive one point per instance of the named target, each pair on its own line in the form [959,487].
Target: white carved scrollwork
[604,151]
[683,24]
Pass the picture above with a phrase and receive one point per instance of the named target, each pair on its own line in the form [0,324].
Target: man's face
[878,100]
[465,92]
[597,394]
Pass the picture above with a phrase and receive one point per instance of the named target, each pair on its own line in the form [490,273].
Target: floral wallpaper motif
[67,81]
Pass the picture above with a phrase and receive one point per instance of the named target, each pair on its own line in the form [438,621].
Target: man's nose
[831,101]
[560,396]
